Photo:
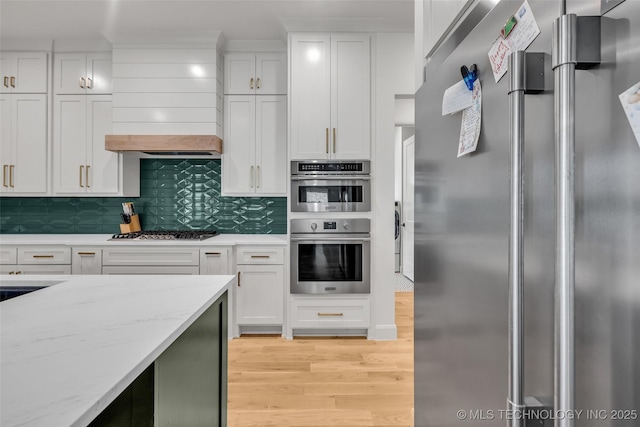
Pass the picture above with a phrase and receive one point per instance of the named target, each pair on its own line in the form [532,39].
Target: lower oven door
[330,266]
[338,194]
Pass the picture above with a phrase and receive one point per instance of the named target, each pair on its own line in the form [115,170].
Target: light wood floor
[322,382]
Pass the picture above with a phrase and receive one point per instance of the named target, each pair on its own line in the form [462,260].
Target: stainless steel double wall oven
[330,255]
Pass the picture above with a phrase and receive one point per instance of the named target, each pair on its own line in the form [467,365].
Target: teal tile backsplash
[174,194]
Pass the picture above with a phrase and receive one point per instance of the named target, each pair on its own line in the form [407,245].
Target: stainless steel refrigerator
[463,244]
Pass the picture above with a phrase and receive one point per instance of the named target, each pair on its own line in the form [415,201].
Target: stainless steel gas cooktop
[166,235]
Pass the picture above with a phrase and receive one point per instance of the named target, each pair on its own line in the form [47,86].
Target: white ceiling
[202,20]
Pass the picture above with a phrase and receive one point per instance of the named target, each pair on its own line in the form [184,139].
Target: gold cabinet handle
[89,83]
[86,253]
[330,314]
[18,272]
[251,177]
[258,83]
[6,81]
[4,175]
[326,139]
[251,83]
[86,175]
[43,256]
[239,278]
[258,176]
[12,169]
[81,167]
[334,140]
[260,256]
[13,81]
[82,83]
[12,272]
[213,253]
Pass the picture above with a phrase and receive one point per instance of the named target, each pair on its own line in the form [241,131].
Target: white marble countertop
[103,240]
[67,351]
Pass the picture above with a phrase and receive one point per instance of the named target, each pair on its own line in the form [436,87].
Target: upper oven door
[327,194]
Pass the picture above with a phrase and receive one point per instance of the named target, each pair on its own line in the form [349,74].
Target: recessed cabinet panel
[238,160]
[86,261]
[30,150]
[214,261]
[99,73]
[271,145]
[271,74]
[23,72]
[69,144]
[8,255]
[44,255]
[152,257]
[310,96]
[82,73]
[239,72]
[350,97]
[260,294]
[103,175]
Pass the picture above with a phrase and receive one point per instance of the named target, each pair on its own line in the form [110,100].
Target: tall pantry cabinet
[254,162]
[82,117]
[23,123]
[330,96]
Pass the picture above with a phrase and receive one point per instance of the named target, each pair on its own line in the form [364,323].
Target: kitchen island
[105,348]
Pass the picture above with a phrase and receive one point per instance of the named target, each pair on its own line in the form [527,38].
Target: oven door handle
[330,178]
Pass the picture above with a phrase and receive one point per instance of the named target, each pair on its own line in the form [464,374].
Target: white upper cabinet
[23,72]
[82,73]
[254,160]
[255,74]
[330,96]
[23,143]
[81,165]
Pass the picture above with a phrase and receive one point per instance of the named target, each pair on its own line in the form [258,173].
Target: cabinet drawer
[36,269]
[164,270]
[155,256]
[330,313]
[264,255]
[44,255]
[214,261]
[8,255]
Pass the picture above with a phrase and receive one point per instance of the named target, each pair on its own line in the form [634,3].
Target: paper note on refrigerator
[522,35]
[630,100]
[456,98]
[471,123]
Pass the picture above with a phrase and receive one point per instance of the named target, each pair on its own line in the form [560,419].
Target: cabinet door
[86,261]
[102,175]
[271,145]
[8,255]
[271,74]
[30,72]
[310,96]
[99,73]
[238,160]
[350,97]
[29,133]
[5,140]
[214,261]
[239,74]
[69,144]
[69,73]
[260,292]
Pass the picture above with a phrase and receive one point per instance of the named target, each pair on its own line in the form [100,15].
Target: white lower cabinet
[259,289]
[151,260]
[215,261]
[36,259]
[330,313]
[147,269]
[260,294]
[86,261]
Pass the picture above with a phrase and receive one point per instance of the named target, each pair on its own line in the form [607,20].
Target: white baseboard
[383,333]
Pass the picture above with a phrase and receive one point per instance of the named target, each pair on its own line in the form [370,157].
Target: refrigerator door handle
[515,397]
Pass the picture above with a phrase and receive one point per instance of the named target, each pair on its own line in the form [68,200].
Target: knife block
[133,226]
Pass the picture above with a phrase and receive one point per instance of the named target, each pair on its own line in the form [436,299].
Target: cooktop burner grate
[166,235]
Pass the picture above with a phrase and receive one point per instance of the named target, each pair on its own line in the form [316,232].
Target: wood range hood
[164,144]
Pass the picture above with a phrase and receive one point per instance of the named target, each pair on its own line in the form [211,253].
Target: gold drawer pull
[6,81]
[86,253]
[260,256]
[4,175]
[13,81]
[43,256]
[239,278]
[11,171]
[330,314]
[213,253]
[18,272]
[12,272]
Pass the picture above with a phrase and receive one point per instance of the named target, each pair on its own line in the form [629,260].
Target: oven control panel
[347,225]
[330,167]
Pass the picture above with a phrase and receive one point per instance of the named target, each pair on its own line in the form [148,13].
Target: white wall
[394,74]
[432,18]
